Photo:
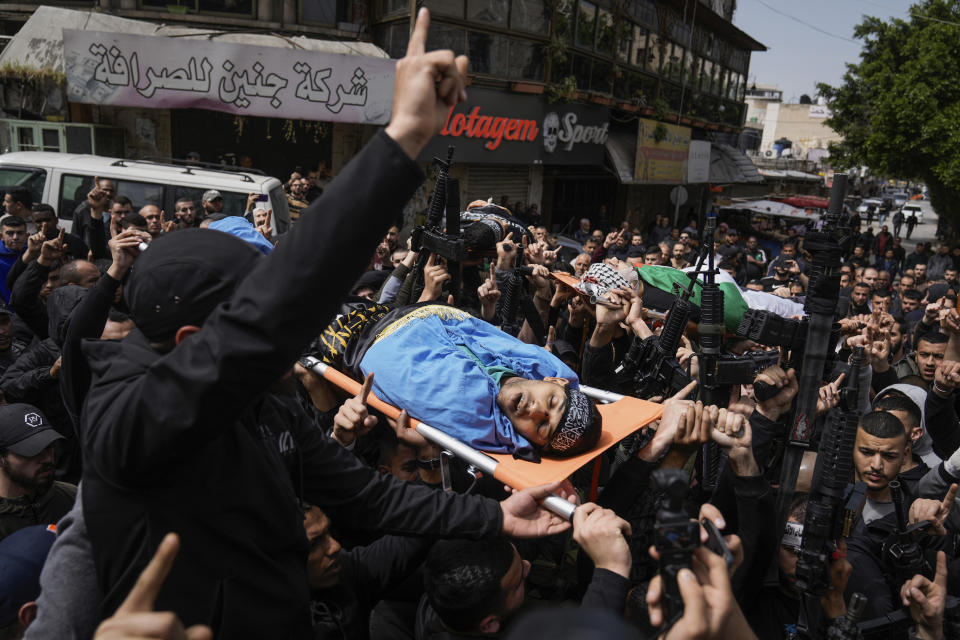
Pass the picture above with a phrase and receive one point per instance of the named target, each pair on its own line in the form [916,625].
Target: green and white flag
[735,300]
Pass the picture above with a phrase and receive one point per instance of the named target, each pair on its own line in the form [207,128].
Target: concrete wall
[793,121]
[147,130]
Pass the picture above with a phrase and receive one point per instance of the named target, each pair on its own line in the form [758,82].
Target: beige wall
[793,121]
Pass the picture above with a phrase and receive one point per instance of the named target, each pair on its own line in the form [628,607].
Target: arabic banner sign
[661,161]
[504,128]
[165,73]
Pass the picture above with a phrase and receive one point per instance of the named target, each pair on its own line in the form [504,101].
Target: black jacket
[25,298]
[86,322]
[47,508]
[190,442]
[366,575]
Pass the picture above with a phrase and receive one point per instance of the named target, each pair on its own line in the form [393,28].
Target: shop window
[639,55]
[237,7]
[625,44]
[629,85]
[681,32]
[600,78]
[393,7]
[107,141]
[444,37]
[734,87]
[79,140]
[526,61]
[706,73]
[644,11]
[717,82]
[691,70]
[244,7]
[393,38]
[563,21]
[581,69]
[445,7]
[488,54]
[673,64]
[488,11]
[604,32]
[529,15]
[323,11]
[655,51]
[586,23]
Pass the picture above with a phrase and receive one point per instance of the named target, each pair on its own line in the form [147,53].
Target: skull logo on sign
[551,128]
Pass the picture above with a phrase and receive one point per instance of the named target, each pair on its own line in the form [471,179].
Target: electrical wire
[912,13]
[807,24]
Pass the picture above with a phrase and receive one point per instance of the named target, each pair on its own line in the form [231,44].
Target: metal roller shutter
[485,181]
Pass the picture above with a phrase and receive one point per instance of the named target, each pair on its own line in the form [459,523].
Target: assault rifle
[650,365]
[516,305]
[437,238]
[820,305]
[826,520]
[901,552]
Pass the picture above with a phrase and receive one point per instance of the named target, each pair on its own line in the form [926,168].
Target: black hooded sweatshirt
[189,441]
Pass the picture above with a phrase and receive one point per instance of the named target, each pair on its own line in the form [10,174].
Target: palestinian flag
[659,293]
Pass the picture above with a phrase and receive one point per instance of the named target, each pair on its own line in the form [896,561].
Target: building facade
[602,74]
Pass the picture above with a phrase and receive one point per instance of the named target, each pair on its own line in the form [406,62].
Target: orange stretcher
[622,415]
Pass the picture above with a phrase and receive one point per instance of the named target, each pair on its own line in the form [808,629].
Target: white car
[900,198]
[63,180]
[912,208]
[862,207]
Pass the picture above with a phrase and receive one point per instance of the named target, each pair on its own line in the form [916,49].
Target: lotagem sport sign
[495,127]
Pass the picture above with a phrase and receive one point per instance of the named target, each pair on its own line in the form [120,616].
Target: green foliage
[659,132]
[563,91]
[661,109]
[898,108]
[30,76]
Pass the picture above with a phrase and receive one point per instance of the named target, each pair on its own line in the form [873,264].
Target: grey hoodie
[923,448]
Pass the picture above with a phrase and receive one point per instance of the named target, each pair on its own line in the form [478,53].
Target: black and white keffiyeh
[575,426]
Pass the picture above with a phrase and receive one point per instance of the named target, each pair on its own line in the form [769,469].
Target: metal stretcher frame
[622,415]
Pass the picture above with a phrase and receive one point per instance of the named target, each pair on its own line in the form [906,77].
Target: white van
[63,180]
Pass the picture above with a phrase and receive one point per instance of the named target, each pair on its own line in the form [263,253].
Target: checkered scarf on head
[600,279]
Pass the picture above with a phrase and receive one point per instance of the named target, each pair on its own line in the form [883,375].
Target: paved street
[925,232]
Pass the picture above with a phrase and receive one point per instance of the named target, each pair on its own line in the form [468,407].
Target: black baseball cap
[183,277]
[25,430]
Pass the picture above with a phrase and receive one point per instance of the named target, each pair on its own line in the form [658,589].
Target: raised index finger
[148,585]
[418,40]
[365,389]
[948,500]
[493,277]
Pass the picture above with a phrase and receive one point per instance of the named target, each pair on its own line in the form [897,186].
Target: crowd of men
[168,468]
